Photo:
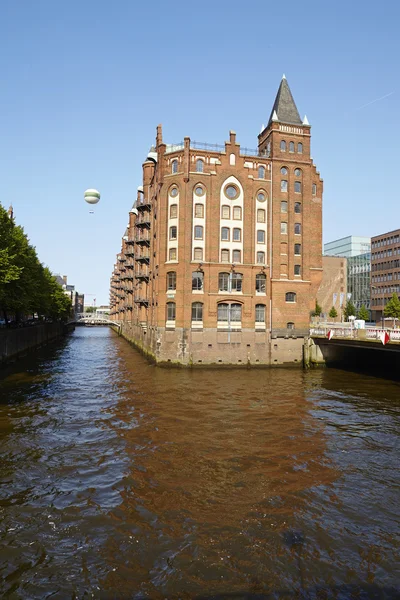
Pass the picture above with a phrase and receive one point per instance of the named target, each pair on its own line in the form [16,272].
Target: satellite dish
[91,196]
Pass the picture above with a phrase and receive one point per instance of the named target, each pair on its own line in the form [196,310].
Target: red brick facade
[223,253]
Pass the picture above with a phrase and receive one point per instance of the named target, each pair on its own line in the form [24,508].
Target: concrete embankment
[18,342]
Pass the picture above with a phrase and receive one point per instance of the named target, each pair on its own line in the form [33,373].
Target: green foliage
[333,313]
[90,309]
[349,310]
[318,309]
[363,313]
[26,286]
[392,308]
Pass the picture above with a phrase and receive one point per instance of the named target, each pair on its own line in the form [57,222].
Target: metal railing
[369,333]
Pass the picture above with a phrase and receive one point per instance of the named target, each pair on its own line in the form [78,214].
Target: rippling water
[122,480]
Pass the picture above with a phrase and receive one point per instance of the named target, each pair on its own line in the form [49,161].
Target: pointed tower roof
[284,107]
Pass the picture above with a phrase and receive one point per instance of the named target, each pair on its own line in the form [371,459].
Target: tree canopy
[333,313]
[26,286]
[392,308]
[349,310]
[363,313]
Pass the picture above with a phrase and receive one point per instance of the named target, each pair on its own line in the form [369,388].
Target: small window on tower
[291,147]
[283,146]
[284,185]
[300,148]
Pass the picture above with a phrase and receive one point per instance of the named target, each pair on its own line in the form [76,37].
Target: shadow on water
[123,480]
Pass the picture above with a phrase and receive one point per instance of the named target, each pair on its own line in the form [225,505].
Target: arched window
[284,206]
[261,172]
[197,311]
[298,172]
[260,313]
[237,213]
[297,187]
[229,312]
[261,258]
[300,148]
[225,212]
[171,311]
[224,255]
[260,236]
[290,297]
[198,232]
[260,215]
[297,207]
[197,281]
[199,165]
[173,211]
[173,232]
[291,147]
[236,234]
[171,280]
[284,185]
[198,253]
[261,280]
[297,228]
[199,211]
[223,282]
[174,166]
[230,282]
[283,227]
[225,234]
[283,146]
[290,325]
[236,256]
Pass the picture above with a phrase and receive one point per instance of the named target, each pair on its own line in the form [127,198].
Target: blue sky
[84,85]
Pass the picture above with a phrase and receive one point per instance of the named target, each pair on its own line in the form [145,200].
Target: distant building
[77,300]
[333,288]
[357,250]
[385,276]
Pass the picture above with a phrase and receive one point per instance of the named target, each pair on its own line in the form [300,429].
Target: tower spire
[285,109]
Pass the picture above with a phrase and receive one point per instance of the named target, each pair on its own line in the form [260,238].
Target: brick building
[385,270]
[222,258]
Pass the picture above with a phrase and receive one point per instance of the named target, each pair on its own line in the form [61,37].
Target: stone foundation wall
[16,342]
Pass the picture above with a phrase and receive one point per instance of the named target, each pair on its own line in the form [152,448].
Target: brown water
[122,480]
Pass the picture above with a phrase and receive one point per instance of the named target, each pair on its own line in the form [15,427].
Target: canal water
[123,480]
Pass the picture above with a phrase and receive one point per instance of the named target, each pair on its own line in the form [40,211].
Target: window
[297,269]
[283,146]
[237,213]
[297,228]
[174,192]
[231,192]
[173,211]
[284,206]
[283,171]
[284,228]
[198,253]
[224,255]
[260,313]
[297,249]
[225,212]
[290,297]
[198,232]
[197,311]
[297,207]
[237,234]
[197,281]
[171,280]
[297,172]
[284,185]
[236,256]
[174,165]
[225,234]
[261,280]
[223,282]
[291,147]
[229,312]
[260,258]
[236,282]
[199,190]
[171,311]
[260,215]
[314,189]
[297,187]
[261,172]
[199,165]
[300,148]
[199,211]
[261,197]
[172,254]
[173,232]
[260,236]
[290,325]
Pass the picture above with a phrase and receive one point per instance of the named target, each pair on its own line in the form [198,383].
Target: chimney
[64,277]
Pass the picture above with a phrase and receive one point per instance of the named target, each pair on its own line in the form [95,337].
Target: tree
[392,308]
[333,313]
[317,310]
[349,310]
[363,313]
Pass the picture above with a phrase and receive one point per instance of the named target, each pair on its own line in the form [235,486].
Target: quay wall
[17,342]
[212,347]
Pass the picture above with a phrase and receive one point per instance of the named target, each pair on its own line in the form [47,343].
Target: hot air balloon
[91,196]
